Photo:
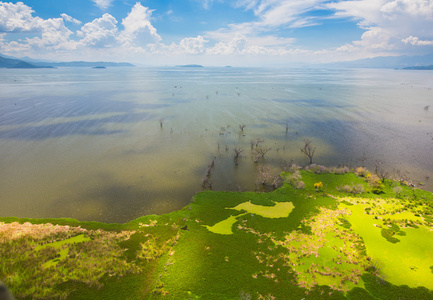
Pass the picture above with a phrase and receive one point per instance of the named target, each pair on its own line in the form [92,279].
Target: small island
[99,67]
[191,66]
[324,233]
[419,68]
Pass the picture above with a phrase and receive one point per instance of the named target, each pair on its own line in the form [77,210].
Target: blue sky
[215,32]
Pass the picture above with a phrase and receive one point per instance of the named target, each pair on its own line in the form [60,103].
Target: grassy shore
[324,234]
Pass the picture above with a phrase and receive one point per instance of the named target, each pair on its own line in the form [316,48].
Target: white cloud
[207,3]
[138,30]
[271,15]
[70,19]
[241,45]
[54,35]
[289,13]
[415,41]
[236,46]
[388,23]
[375,38]
[99,33]
[18,18]
[103,4]
[193,45]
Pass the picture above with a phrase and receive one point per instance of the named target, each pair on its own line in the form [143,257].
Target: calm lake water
[87,143]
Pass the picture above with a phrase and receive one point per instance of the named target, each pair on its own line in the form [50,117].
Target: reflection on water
[88,144]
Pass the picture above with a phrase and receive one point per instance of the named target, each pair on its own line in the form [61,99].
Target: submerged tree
[237,151]
[261,152]
[255,142]
[308,150]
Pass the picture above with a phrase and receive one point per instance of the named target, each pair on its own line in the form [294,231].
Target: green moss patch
[295,242]
[223,227]
[279,210]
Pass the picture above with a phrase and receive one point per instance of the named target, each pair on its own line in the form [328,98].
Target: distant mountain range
[28,63]
[388,62]
[424,62]
[420,68]
[12,63]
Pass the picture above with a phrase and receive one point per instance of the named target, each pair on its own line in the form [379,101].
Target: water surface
[87,143]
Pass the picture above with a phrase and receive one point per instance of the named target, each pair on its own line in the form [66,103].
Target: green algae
[223,227]
[64,251]
[279,210]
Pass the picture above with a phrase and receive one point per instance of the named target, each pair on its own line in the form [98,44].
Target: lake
[88,143]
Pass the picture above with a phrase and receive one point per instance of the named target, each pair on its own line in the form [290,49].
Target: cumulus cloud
[103,4]
[70,19]
[138,29]
[54,34]
[99,33]
[193,45]
[415,41]
[18,18]
[389,24]
[236,46]
[241,45]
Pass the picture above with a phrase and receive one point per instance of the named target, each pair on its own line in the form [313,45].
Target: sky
[215,32]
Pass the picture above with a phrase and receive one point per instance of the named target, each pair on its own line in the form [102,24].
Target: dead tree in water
[241,127]
[161,122]
[261,152]
[237,151]
[255,143]
[308,150]
[205,181]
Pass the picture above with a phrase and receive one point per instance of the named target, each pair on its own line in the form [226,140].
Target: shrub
[361,171]
[299,185]
[352,189]
[375,183]
[397,190]
[318,169]
[318,186]
[340,170]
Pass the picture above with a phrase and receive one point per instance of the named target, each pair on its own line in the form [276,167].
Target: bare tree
[255,142]
[287,126]
[262,150]
[237,151]
[380,172]
[241,127]
[308,150]
[377,165]
[205,181]
[161,122]
[362,160]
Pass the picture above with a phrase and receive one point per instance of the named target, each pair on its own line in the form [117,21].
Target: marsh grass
[321,250]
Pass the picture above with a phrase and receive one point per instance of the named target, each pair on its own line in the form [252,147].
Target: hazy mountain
[85,64]
[27,62]
[392,62]
[13,63]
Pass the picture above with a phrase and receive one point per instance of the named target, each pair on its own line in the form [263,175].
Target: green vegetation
[324,234]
